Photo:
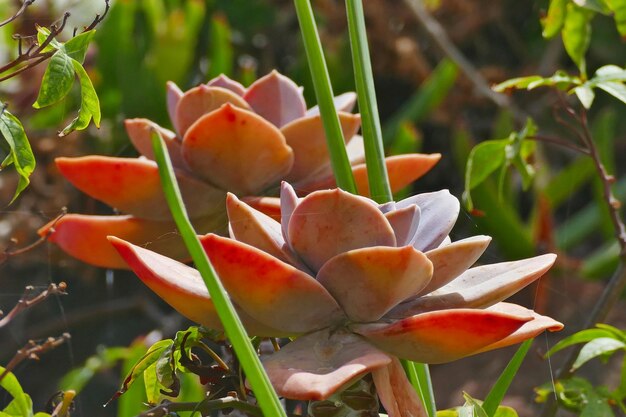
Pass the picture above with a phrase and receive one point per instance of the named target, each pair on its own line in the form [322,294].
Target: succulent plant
[358,285]
[226,138]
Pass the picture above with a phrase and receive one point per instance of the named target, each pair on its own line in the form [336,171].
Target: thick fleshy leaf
[180,286]
[316,365]
[266,205]
[173,95]
[396,393]
[140,131]
[237,150]
[402,170]
[343,102]
[256,229]
[202,100]
[327,223]
[85,237]
[227,83]
[307,138]
[530,329]
[441,336]
[368,282]
[276,98]
[133,185]
[439,211]
[452,260]
[273,292]
[483,286]
[404,222]
[288,202]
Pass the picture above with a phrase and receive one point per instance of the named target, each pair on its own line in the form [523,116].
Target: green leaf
[617,90]
[89,105]
[517,83]
[608,73]
[246,353]
[419,376]
[150,357]
[57,80]
[585,94]
[599,6]
[505,412]
[221,50]
[484,159]
[16,406]
[378,179]
[151,384]
[499,389]
[618,7]
[553,22]
[20,152]
[76,48]
[580,337]
[21,402]
[42,35]
[476,408]
[577,34]
[597,347]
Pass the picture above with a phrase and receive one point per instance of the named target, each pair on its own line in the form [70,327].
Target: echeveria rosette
[359,285]
[226,138]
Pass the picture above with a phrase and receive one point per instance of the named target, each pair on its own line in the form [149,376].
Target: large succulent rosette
[358,285]
[226,138]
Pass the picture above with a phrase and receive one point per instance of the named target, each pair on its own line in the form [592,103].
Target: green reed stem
[324,93]
[378,179]
[263,390]
[419,376]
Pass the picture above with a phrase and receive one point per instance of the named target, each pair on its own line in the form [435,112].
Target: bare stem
[560,142]
[18,13]
[28,300]
[33,350]
[9,253]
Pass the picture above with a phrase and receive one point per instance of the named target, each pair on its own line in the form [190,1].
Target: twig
[9,253]
[28,300]
[165,408]
[32,350]
[18,13]
[441,39]
[99,18]
[560,142]
[614,289]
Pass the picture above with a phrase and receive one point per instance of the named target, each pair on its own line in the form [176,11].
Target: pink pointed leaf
[368,282]
[356,150]
[237,150]
[327,223]
[270,290]
[307,138]
[202,100]
[402,170]
[486,285]
[441,336]
[404,222]
[396,393]
[173,95]
[266,205]
[439,211]
[133,185]
[256,229]
[530,329]
[224,81]
[317,365]
[181,287]
[452,260]
[288,202]
[276,98]
[140,134]
[343,102]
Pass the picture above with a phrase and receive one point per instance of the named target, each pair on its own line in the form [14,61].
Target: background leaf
[57,80]
[577,34]
[20,152]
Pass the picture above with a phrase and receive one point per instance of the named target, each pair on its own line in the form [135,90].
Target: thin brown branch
[29,300]
[439,36]
[33,350]
[18,13]
[99,18]
[10,253]
[560,142]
